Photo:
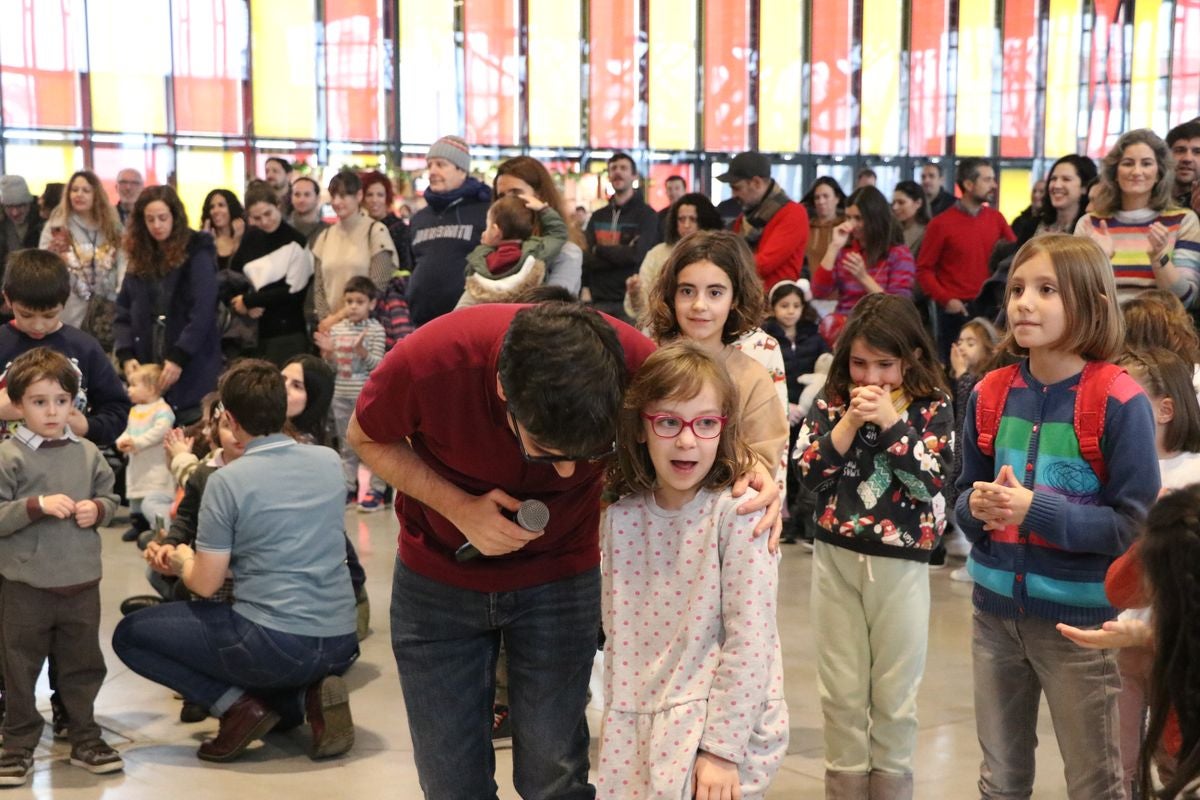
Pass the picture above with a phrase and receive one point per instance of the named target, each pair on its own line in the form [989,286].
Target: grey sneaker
[15,766]
[96,757]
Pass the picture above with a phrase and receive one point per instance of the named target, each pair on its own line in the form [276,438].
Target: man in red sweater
[953,262]
[775,226]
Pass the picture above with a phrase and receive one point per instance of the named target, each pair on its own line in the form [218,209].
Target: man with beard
[935,191]
[1184,141]
[953,262]
[277,173]
[129,186]
[774,225]
[306,208]
[618,236]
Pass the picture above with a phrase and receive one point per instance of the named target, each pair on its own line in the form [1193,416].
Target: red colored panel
[1185,63]
[657,196]
[1105,85]
[492,71]
[352,69]
[37,65]
[210,40]
[726,82]
[1018,99]
[831,122]
[613,74]
[155,163]
[927,79]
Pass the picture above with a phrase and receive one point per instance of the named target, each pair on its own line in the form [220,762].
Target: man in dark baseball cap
[775,226]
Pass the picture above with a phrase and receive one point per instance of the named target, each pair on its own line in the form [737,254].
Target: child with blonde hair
[148,482]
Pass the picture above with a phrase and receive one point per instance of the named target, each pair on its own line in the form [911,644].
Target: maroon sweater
[953,260]
[437,387]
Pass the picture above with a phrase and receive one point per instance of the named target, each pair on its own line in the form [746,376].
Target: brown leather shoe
[246,720]
[327,706]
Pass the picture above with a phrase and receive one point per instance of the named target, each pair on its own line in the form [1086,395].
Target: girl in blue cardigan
[1044,526]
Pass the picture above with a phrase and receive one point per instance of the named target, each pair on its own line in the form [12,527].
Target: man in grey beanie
[446,230]
[21,225]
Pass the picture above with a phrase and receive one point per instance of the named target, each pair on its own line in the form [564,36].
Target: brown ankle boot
[846,785]
[891,785]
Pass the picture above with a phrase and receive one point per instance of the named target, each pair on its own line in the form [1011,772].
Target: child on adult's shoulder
[354,347]
[510,258]
[36,286]
[55,490]
[148,482]
[1043,522]
[715,701]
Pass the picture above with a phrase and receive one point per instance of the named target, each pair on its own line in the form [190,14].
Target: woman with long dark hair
[690,213]
[1066,194]
[167,307]
[222,216]
[826,205]
[910,206]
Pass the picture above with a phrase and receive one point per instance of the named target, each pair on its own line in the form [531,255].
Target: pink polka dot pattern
[692,656]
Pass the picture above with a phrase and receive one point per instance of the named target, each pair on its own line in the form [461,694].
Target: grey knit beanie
[454,149]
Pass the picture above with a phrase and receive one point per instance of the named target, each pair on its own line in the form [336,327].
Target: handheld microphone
[533,516]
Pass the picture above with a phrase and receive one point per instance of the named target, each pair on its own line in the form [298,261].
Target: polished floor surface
[142,719]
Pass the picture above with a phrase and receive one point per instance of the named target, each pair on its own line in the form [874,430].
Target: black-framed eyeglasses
[554,459]
[668,426]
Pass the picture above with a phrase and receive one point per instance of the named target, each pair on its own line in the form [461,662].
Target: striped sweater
[1131,249]
[1052,566]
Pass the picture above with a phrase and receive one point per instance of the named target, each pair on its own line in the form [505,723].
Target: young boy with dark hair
[510,258]
[55,490]
[354,347]
[36,286]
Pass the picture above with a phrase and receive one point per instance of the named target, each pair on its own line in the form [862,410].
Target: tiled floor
[142,718]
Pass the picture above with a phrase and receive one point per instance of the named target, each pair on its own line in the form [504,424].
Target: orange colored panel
[613,80]
[38,47]
[832,120]
[1185,63]
[211,37]
[1018,98]
[493,70]
[927,79]
[726,79]
[352,69]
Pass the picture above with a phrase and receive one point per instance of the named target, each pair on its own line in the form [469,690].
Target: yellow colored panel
[1062,78]
[780,67]
[976,45]
[881,27]
[111,110]
[283,47]
[40,164]
[554,33]
[129,60]
[672,74]
[197,172]
[1144,83]
[428,71]
[1014,191]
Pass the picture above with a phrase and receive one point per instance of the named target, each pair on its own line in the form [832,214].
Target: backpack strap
[1091,406]
[989,406]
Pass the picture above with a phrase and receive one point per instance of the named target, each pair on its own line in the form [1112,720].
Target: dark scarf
[755,220]
[471,189]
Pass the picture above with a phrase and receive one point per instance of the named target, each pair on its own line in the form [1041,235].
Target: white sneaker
[961,575]
[956,543]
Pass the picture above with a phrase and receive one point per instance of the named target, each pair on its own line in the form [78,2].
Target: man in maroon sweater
[953,262]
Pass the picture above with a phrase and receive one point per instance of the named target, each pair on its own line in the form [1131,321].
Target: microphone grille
[533,515]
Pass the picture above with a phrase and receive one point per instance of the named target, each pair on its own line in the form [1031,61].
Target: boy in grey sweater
[55,490]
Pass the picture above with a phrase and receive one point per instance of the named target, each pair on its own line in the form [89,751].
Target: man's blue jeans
[446,639]
[212,655]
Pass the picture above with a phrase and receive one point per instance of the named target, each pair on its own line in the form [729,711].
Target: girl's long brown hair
[149,258]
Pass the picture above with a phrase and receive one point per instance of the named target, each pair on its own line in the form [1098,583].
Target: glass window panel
[1062,78]
[790,177]
[211,39]
[1185,63]
[673,74]
[1106,77]
[927,78]
[1018,99]
[832,114]
[973,92]
[613,74]
[284,69]
[40,164]
[197,172]
[41,56]
[130,62]
[886,178]
[554,62]
[429,69]
[1014,191]
[353,68]
[842,173]
[1151,59]
[881,28]
[726,79]
[781,69]
[493,72]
